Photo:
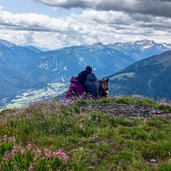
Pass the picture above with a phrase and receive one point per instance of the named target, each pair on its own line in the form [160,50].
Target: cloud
[152,7]
[32,22]
[68,3]
[88,27]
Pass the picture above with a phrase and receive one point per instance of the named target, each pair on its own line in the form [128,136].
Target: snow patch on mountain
[81,61]
[43,66]
[167,45]
[141,49]
[147,46]
[65,68]
[62,78]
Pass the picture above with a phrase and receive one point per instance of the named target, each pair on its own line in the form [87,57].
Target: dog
[103,88]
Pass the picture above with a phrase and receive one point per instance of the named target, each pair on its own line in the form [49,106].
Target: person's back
[89,81]
[82,76]
[91,85]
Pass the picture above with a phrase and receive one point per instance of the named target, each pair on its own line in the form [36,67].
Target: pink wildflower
[7,156]
[9,139]
[23,151]
[47,153]
[38,151]
[12,139]
[66,102]
[5,138]
[31,168]
[61,155]
[14,151]
[29,145]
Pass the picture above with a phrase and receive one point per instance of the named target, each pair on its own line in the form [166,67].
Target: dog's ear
[107,80]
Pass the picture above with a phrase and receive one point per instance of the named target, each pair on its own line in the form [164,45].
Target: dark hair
[88,69]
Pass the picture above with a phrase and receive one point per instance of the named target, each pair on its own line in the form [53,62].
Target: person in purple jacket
[75,90]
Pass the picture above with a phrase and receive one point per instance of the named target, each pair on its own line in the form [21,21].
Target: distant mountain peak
[6,43]
[98,44]
[141,49]
[145,41]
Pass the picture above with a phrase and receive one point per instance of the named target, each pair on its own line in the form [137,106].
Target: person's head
[88,69]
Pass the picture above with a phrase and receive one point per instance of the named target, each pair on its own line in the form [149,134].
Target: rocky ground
[125,110]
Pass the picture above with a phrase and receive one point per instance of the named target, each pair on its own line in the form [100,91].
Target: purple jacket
[75,89]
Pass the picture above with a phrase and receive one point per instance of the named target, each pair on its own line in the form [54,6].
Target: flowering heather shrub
[9,139]
[164,104]
[30,155]
[61,155]
[68,102]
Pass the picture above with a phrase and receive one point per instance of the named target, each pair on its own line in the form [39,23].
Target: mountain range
[141,49]
[149,77]
[60,65]
[25,68]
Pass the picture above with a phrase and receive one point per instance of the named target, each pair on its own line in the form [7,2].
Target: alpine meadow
[85,85]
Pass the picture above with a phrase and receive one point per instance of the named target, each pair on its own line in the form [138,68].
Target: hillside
[11,84]
[15,66]
[59,65]
[87,135]
[149,77]
[27,68]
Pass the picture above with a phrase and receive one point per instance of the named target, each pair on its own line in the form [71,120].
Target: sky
[54,24]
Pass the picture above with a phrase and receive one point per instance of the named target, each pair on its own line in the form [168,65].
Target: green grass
[92,140]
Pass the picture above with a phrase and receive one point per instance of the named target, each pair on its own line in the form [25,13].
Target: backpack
[75,89]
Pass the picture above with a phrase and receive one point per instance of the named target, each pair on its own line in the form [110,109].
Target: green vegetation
[50,136]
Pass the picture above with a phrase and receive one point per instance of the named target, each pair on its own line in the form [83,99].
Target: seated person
[89,81]
[75,90]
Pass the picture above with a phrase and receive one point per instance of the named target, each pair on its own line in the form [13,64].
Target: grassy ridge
[50,136]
